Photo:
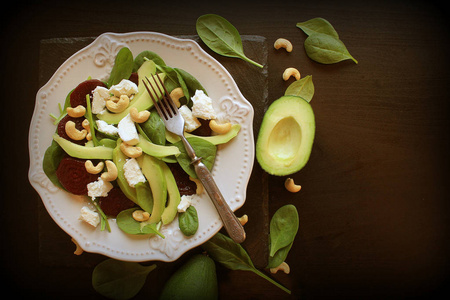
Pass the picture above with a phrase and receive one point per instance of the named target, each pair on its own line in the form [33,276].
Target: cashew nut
[243,220]
[283,267]
[140,215]
[219,128]
[130,151]
[283,43]
[112,172]
[291,72]
[175,95]
[139,117]
[91,169]
[117,105]
[86,126]
[78,250]
[76,112]
[73,132]
[199,184]
[291,186]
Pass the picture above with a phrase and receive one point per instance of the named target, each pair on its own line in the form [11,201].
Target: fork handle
[231,223]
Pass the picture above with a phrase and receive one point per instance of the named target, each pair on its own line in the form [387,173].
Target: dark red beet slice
[73,176]
[78,95]
[204,129]
[115,202]
[134,77]
[78,125]
[185,185]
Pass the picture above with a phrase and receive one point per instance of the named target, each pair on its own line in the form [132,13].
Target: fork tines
[166,108]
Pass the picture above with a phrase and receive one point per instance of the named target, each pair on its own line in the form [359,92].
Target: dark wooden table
[374,206]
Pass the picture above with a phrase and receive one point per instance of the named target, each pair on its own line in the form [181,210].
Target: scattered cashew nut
[91,169]
[219,128]
[73,132]
[283,267]
[291,72]
[243,220]
[283,43]
[139,117]
[199,184]
[176,94]
[140,215]
[291,186]
[86,126]
[117,105]
[78,250]
[112,172]
[76,112]
[130,151]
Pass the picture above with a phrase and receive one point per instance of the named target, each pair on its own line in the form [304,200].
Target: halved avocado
[286,136]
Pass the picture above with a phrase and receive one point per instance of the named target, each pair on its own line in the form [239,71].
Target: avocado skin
[297,114]
[196,279]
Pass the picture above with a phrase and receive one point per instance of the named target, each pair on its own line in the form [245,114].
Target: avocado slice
[286,136]
[155,150]
[142,99]
[213,139]
[119,160]
[79,151]
[173,198]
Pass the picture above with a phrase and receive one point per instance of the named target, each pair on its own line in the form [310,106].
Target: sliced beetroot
[78,125]
[134,77]
[78,95]
[185,185]
[73,176]
[115,202]
[204,129]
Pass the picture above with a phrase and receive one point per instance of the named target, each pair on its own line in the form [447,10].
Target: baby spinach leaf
[128,224]
[154,128]
[221,37]
[147,55]
[52,158]
[279,257]
[123,66]
[192,84]
[317,25]
[117,279]
[301,88]
[204,149]
[326,49]
[283,228]
[234,257]
[188,221]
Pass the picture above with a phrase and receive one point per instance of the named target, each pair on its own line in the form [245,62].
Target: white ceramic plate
[232,167]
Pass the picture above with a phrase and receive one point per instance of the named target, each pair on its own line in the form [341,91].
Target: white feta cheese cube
[99,188]
[185,202]
[190,122]
[202,107]
[127,131]
[89,216]
[132,172]
[99,97]
[124,87]
[104,127]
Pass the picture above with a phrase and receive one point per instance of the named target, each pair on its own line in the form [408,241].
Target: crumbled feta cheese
[132,172]
[185,202]
[127,131]
[99,97]
[89,216]
[202,107]
[104,127]
[124,87]
[99,188]
[190,122]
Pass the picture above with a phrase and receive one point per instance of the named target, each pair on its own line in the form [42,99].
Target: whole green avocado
[196,279]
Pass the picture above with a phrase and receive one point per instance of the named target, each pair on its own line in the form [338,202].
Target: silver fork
[175,123]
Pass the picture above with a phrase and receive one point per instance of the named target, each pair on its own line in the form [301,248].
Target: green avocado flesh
[286,136]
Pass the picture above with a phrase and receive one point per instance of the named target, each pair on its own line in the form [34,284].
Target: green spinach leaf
[188,221]
[317,25]
[326,49]
[221,37]
[301,88]
[154,128]
[128,224]
[123,67]
[147,55]
[231,255]
[204,149]
[117,279]
[283,228]
[52,158]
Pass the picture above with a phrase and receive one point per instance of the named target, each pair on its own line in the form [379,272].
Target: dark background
[374,205]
